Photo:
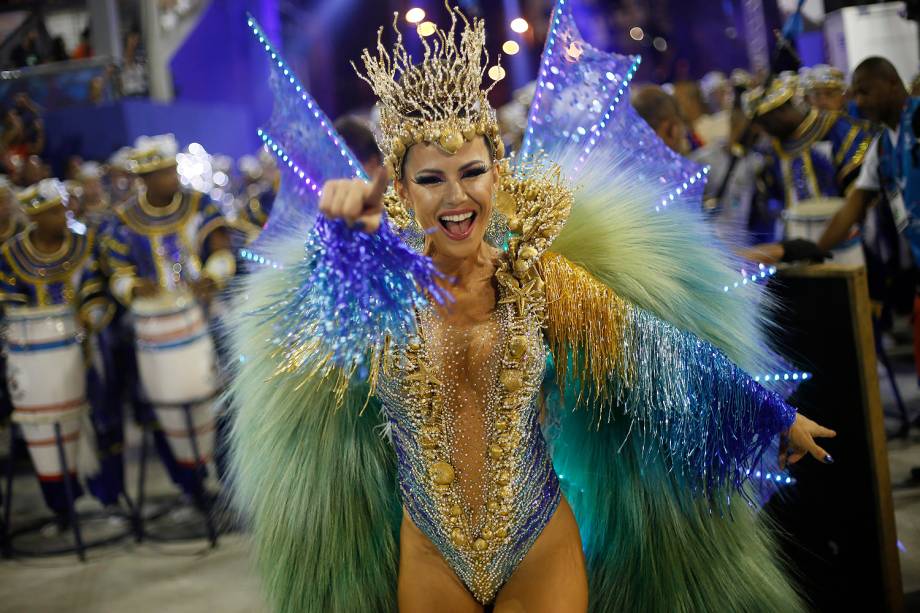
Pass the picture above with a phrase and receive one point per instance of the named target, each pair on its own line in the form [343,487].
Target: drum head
[62,311]
[816,208]
[164,302]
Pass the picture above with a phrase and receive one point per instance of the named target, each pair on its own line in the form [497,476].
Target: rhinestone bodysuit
[474,469]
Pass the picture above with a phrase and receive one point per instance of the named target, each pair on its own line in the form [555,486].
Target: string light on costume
[784,376]
[255,258]
[779,478]
[519,25]
[548,51]
[415,15]
[286,160]
[596,130]
[511,47]
[557,62]
[288,74]
[680,189]
[762,273]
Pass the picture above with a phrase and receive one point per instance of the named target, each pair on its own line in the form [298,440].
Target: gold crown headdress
[439,100]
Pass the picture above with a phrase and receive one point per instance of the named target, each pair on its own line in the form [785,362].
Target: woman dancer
[534,399]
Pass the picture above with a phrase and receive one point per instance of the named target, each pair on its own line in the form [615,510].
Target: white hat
[824,76]
[89,170]
[712,81]
[42,196]
[119,159]
[152,153]
[741,78]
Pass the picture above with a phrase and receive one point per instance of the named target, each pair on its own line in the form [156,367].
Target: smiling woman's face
[451,195]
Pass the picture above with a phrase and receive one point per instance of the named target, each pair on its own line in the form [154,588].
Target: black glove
[798,249]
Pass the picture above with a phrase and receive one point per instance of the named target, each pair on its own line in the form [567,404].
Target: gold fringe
[586,317]
[291,362]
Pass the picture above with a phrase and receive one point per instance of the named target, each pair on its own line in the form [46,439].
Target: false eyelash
[475,172]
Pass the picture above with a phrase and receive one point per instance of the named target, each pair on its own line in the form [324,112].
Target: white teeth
[461,217]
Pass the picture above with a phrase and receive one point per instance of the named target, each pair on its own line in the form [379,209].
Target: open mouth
[458,225]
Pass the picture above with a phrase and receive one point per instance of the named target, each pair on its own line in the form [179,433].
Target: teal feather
[650,543]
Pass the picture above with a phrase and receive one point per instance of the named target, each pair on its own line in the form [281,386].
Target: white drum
[810,218]
[178,370]
[175,353]
[46,374]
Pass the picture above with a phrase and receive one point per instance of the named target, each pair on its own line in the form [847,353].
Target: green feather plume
[667,262]
[311,472]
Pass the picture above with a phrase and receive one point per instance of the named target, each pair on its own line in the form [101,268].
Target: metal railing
[62,84]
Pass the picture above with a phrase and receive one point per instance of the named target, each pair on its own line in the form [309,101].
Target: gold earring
[397,211]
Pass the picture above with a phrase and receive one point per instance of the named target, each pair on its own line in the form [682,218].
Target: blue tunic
[72,276]
[821,158]
[166,245]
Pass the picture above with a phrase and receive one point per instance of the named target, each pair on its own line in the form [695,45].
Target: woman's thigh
[552,576]
[426,582]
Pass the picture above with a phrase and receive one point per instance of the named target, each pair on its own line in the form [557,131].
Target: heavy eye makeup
[475,169]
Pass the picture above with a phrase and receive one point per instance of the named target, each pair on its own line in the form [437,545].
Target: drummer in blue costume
[51,265]
[167,236]
[817,153]
[167,239]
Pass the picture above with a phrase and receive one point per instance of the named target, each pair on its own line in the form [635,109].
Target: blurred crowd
[126,77]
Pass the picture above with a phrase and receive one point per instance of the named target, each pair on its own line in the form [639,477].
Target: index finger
[378,185]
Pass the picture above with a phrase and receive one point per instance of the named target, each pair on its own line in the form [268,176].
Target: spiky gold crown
[439,100]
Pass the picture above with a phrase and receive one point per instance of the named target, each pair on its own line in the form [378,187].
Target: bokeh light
[510,47]
[415,15]
[519,25]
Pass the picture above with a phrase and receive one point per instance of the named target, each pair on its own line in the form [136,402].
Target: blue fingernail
[828,459]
